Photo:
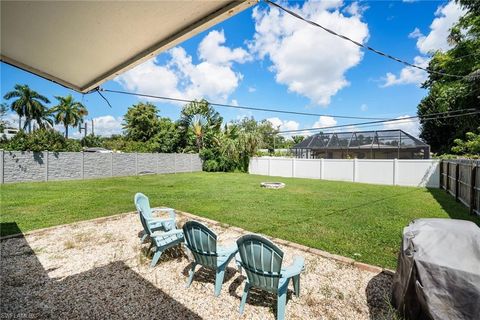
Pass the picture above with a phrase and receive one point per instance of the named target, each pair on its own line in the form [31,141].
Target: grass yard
[355,220]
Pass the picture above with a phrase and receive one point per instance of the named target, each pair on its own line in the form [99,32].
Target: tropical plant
[68,112]
[91,140]
[28,104]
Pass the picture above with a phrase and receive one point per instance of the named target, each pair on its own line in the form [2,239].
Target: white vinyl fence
[418,173]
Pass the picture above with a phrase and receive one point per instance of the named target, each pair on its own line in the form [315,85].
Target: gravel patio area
[99,270]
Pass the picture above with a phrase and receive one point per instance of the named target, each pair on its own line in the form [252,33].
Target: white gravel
[99,270]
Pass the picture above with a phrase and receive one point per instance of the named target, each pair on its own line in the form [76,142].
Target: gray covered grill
[438,272]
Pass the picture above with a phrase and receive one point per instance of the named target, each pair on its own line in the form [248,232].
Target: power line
[238,107]
[433,116]
[360,44]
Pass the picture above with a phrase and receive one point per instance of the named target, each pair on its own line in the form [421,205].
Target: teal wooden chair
[163,233]
[262,262]
[150,223]
[202,242]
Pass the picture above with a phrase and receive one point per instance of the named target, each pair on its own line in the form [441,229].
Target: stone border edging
[324,254]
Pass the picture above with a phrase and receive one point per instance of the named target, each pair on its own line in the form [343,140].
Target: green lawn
[355,220]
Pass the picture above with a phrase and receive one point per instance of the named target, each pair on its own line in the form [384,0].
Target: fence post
[2,165]
[111,164]
[293,167]
[83,165]
[136,163]
[174,163]
[457,167]
[442,179]
[45,153]
[447,184]
[191,164]
[268,166]
[395,171]
[322,168]
[473,176]
[355,169]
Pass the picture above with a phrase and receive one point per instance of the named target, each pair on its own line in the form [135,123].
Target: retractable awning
[82,44]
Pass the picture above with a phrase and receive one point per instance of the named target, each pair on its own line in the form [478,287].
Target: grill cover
[438,271]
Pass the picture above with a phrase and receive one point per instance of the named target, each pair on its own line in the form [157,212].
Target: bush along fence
[461,178]
[418,173]
[23,166]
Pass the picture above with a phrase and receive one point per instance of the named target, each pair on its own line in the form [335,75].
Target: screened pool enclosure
[379,144]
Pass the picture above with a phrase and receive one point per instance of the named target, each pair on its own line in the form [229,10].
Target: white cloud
[150,78]
[11,119]
[284,125]
[364,107]
[252,89]
[234,102]
[355,9]
[409,75]
[211,49]
[107,125]
[416,33]
[310,62]
[212,78]
[324,121]
[445,17]
[411,126]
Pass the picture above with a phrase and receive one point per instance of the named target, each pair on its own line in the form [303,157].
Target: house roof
[81,44]
[378,139]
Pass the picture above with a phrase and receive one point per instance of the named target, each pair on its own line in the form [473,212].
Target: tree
[200,120]
[166,140]
[69,112]
[447,94]
[29,104]
[141,122]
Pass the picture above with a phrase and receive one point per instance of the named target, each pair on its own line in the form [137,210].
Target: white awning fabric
[81,44]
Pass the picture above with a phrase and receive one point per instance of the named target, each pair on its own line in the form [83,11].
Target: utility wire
[361,44]
[433,116]
[237,107]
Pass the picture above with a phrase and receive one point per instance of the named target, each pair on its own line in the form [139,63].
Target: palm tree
[28,104]
[44,119]
[202,120]
[69,112]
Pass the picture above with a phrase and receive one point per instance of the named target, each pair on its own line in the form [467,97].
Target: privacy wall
[418,173]
[19,166]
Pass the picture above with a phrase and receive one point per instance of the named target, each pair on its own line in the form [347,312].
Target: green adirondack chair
[262,262]
[202,242]
[149,223]
[162,232]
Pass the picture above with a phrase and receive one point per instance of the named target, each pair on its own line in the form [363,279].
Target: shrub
[41,140]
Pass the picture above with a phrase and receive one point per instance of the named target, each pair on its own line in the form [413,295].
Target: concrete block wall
[24,166]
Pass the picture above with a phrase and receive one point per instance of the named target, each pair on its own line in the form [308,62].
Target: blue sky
[261,58]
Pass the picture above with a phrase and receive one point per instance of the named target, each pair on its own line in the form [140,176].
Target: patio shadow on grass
[112,291]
